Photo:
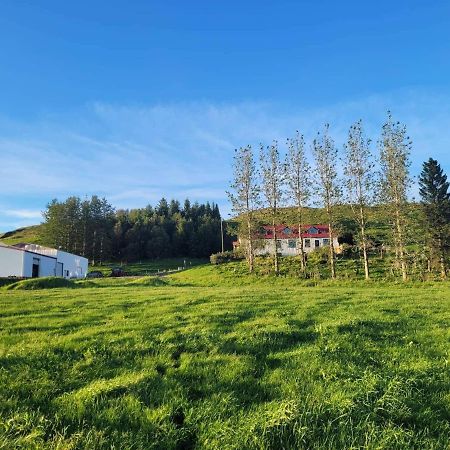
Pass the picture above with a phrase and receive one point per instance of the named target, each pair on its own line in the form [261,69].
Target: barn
[32,261]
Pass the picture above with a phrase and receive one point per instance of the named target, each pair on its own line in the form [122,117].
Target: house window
[313,230]
[308,243]
[278,244]
[317,243]
[67,273]
[326,242]
[287,230]
[292,243]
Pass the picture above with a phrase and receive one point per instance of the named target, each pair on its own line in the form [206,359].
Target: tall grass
[205,359]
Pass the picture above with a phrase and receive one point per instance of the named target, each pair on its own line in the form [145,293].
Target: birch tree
[272,187]
[395,148]
[297,172]
[245,197]
[325,156]
[359,182]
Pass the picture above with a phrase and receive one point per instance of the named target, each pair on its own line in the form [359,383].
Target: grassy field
[208,358]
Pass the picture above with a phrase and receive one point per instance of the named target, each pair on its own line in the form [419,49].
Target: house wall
[74,266]
[47,265]
[266,246]
[11,262]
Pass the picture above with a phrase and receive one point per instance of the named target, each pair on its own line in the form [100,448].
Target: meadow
[210,358]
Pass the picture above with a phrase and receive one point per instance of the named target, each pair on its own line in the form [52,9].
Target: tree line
[94,229]
[368,178]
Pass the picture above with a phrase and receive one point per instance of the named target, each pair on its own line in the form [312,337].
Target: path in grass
[193,365]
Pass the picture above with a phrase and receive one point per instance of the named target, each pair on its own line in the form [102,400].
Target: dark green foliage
[216,359]
[93,229]
[223,257]
[433,188]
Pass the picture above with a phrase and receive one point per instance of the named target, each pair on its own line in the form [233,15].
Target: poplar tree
[433,189]
[395,148]
[297,172]
[272,186]
[325,156]
[359,182]
[245,197]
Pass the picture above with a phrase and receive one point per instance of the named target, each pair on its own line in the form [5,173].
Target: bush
[42,283]
[224,257]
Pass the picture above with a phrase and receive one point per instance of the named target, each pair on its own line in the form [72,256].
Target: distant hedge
[223,257]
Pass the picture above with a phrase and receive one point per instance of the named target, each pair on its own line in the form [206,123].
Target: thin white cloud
[23,213]
[134,155]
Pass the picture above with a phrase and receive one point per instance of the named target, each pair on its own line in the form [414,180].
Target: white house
[288,241]
[32,261]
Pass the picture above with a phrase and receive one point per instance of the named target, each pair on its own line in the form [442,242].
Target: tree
[297,173]
[245,197]
[272,187]
[360,183]
[395,148]
[325,155]
[433,189]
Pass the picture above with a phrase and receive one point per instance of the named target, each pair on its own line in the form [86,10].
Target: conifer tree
[433,189]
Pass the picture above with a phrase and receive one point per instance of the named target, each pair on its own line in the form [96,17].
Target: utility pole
[221,231]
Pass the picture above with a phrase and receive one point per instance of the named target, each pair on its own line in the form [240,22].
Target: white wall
[77,266]
[47,265]
[11,262]
[266,246]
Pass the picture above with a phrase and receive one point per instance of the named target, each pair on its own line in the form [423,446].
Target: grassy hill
[378,222]
[31,235]
[210,358]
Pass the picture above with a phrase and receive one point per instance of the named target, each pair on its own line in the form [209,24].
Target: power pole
[221,231]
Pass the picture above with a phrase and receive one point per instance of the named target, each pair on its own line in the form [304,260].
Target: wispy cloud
[23,213]
[134,155]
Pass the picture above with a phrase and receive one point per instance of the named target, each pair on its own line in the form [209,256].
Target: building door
[35,269]
[316,243]
[59,269]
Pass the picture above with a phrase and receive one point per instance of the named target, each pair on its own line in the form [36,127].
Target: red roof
[291,231]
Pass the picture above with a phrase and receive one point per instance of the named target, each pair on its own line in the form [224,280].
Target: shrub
[224,257]
[42,283]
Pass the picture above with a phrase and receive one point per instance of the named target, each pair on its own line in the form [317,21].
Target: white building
[288,241]
[32,261]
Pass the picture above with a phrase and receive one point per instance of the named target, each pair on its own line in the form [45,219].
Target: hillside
[378,222]
[31,235]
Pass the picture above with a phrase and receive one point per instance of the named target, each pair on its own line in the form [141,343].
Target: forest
[95,230]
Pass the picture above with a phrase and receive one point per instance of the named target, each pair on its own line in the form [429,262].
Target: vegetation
[92,228]
[436,205]
[215,358]
[384,181]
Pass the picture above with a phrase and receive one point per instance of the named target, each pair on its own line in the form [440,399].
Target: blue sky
[138,100]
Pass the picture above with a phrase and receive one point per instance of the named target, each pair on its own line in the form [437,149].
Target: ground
[210,358]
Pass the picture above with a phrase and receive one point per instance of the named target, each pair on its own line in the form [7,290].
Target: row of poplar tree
[366,179]
[94,229]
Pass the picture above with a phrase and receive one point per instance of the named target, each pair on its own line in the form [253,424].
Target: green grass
[149,267]
[210,358]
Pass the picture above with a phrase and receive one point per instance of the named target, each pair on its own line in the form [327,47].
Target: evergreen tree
[433,189]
